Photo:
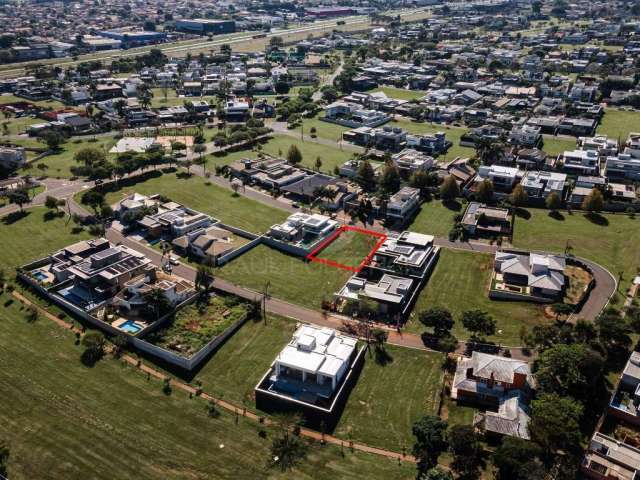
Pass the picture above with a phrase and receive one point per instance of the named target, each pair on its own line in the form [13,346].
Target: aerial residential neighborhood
[320,240]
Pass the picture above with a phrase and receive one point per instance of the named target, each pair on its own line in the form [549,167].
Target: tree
[93,198]
[157,302]
[294,156]
[614,331]
[19,197]
[512,458]
[90,156]
[365,176]
[318,164]
[465,447]
[287,449]
[435,474]
[52,138]
[390,179]
[440,319]
[51,202]
[282,87]
[562,309]
[199,149]
[553,202]
[519,196]
[93,343]
[555,423]
[430,442]
[204,277]
[449,189]
[593,202]
[569,370]
[479,323]
[485,191]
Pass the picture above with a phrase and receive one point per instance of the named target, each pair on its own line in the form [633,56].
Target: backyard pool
[40,275]
[130,327]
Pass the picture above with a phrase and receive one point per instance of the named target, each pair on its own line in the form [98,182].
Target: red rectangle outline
[312,257]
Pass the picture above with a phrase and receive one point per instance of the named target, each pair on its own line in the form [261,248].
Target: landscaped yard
[34,236]
[619,123]
[64,420]
[219,202]
[197,324]
[289,278]
[350,248]
[436,218]
[610,240]
[460,282]
[389,398]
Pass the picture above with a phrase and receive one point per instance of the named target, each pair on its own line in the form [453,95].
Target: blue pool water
[40,275]
[72,297]
[130,327]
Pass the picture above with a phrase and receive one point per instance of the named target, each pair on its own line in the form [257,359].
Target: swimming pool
[40,275]
[130,327]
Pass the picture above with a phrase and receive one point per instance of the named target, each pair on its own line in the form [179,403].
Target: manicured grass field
[235,369]
[460,282]
[435,218]
[49,104]
[290,278]
[32,237]
[64,420]
[401,93]
[610,240]
[330,156]
[389,398]
[327,130]
[619,123]
[554,146]
[217,201]
[349,248]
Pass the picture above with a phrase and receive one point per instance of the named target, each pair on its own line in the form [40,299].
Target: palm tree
[157,302]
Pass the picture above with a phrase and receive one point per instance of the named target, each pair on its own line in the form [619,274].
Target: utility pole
[265,294]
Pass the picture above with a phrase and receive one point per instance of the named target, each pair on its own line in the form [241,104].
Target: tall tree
[366,177]
[430,434]
[594,202]
[294,156]
[485,191]
[440,319]
[479,323]
[390,179]
[555,423]
[464,445]
[449,189]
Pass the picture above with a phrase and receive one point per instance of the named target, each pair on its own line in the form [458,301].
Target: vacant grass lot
[331,157]
[436,218]
[460,282]
[389,398]
[554,146]
[59,164]
[48,104]
[64,420]
[610,240]
[401,93]
[193,192]
[349,248]
[290,278]
[619,123]
[34,236]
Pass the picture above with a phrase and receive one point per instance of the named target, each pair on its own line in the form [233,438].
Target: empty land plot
[460,282]
[194,192]
[289,278]
[436,218]
[619,123]
[401,93]
[349,248]
[109,421]
[389,397]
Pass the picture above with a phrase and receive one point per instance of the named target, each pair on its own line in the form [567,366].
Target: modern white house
[581,162]
[540,184]
[622,167]
[12,158]
[402,205]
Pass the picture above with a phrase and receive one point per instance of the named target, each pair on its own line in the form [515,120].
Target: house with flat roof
[622,167]
[503,178]
[539,184]
[408,254]
[12,158]
[387,296]
[610,459]
[303,231]
[625,401]
[581,162]
[410,161]
[500,385]
[538,276]
[313,374]
[268,172]
[353,115]
[402,205]
[525,136]
[174,220]
[479,219]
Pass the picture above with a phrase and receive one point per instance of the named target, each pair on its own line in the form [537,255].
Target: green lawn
[401,93]
[59,164]
[434,218]
[349,248]
[327,130]
[612,241]
[64,420]
[237,367]
[330,156]
[619,123]
[554,146]
[389,398]
[32,237]
[47,104]
[460,282]
[217,201]
[19,125]
[290,278]
[458,414]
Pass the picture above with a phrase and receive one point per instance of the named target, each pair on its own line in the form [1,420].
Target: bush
[166,386]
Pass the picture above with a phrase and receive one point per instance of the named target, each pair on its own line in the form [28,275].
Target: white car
[174,260]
